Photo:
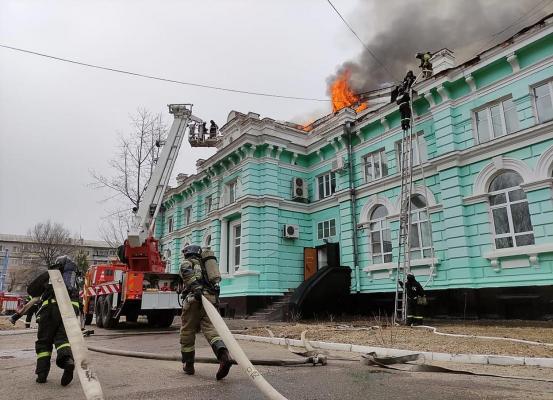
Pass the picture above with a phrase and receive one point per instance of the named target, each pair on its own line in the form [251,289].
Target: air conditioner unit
[339,164]
[291,231]
[299,189]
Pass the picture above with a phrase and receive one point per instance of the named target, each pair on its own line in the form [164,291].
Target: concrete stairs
[276,311]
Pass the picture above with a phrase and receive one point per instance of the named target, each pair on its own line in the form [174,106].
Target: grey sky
[58,121]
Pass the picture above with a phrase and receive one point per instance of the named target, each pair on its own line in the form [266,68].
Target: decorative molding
[546,183]
[372,202]
[385,123]
[490,171]
[544,166]
[429,98]
[443,92]
[469,79]
[513,60]
[525,256]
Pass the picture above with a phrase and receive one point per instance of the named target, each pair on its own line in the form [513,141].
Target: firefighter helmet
[192,250]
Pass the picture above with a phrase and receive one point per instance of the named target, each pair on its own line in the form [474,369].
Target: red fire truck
[138,283]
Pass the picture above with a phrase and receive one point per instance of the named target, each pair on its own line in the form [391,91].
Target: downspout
[348,133]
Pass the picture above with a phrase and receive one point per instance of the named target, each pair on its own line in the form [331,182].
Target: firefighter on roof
[426,65]
[200,275]
[50,326]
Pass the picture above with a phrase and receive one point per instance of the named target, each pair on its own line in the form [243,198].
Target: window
[208,203]
[231,191]
[235,241]
[326,184]
[170,224]
[187,215]
[496,120]
[326,229]
[419,150]
[15,249]
[376,166]
[542,97]
[380,236]
[509,211]
[419,234]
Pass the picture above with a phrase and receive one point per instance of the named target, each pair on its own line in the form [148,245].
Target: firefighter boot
[42,367]
[188,362]
[225,363]
[68,368]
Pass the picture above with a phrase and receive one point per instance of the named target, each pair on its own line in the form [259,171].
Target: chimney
[181,178]
[442,60]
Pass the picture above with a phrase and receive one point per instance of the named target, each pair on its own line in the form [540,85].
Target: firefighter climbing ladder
[404,236]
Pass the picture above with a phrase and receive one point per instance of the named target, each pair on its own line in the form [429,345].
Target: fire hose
[238,354]
[89,380]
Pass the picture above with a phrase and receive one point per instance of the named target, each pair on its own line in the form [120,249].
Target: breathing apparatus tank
[211,267]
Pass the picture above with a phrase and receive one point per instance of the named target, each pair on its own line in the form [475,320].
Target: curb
[17,332]
[385,351]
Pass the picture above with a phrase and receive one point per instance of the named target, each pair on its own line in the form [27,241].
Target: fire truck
[137,283]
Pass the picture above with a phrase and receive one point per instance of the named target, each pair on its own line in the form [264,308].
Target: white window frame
[418,143]
[327,228]
[232,187]
[208,202]
[233,245]
[381,226]
[187,215]
[534,99]
[327,177]
[487,107]
[170,224]
[376,156]
[511,234]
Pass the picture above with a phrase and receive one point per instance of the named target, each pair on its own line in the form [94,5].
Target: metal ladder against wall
[404,239]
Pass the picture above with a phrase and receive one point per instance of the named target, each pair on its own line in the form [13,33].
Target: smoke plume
[394,30]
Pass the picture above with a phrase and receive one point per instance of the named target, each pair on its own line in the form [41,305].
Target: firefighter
[415,300]
[212,129]
[408,81]
[426,65]
[200,275]
[403,100]
[51,331]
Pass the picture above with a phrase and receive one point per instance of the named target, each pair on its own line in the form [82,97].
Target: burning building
[279,202]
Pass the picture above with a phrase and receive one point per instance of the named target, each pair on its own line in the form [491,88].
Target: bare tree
[132,166]
[51,240]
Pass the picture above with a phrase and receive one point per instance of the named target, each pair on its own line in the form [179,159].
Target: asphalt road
[131,378]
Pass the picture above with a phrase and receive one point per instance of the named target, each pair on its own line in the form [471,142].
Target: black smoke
[397,29]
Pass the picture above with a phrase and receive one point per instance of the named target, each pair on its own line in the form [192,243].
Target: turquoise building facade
[482,201]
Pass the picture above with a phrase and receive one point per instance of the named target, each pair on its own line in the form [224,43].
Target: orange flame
[342,95]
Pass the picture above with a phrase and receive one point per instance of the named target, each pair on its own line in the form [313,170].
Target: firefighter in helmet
[403,101]
[416,299]
[51,331]
[200,275]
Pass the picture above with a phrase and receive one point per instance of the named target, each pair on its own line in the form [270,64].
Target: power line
[157,78]
[360,41]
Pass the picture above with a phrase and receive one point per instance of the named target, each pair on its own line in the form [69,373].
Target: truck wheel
[98,311]
[107,313]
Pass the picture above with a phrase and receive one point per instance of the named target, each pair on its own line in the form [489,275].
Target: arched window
[510,214]
[380,236]
[420,232]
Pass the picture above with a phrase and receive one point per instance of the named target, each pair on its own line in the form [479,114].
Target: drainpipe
[348,133]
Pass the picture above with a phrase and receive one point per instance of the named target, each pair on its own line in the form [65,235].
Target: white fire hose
[238,354]
[89,381]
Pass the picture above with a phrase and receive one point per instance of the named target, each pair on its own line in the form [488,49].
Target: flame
[342,95]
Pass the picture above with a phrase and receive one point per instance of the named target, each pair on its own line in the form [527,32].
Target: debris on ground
[377,333]
[6,325]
